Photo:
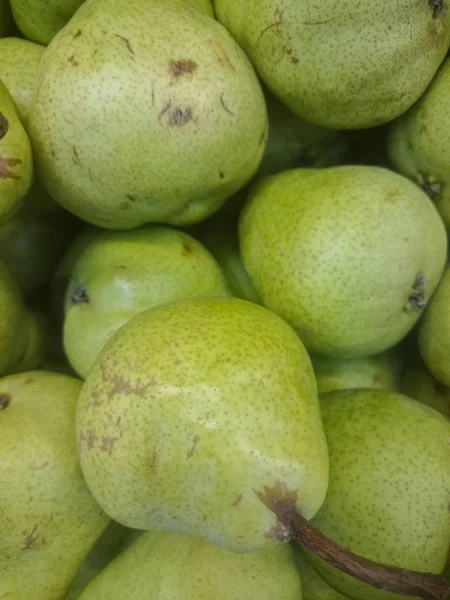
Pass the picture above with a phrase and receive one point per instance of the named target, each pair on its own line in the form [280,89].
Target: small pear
[121,273]
[419,142]
[49,518]
[219,234]
[434,332]
[349,255]
[380,371]
[193,413]
[40,20]
[160,565]
[194,121]
[389,489]
[340,65]
[19,70]
[314,586]
[16,161]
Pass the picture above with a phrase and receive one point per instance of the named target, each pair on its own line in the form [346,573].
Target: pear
[193,120]
[434,332]
[161,565]
[16,161]
[389,487]
[314,587]
[49,518]
[40,20]
[114,539]
[349,255]
[19,69]
[121,273]
[193,413]
[31,244]
[418,383]
[340,65]
[380,371]
[219,234]
[418,142]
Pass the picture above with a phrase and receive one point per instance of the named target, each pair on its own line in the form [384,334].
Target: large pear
[349,255]
[160,119]
[195,412]
[338,63]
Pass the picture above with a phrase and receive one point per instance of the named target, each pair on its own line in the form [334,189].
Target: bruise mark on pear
[122,386]
[183,69]
[5,163]
[191,452]
[5,401]
[30,538]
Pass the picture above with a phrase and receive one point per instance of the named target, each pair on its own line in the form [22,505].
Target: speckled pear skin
[40,20]
[419,142]
[19,70]
[162,565]
[339,63]
[49,518]
[389,488]
[434,332]
[380,372]
[347,255]
[160,120]
[121,273]
[192,411]
[314,586]
[16,160]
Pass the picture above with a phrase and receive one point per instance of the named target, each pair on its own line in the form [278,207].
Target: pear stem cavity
[79,296]
[436,7]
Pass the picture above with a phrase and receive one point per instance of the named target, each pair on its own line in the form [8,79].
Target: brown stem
[384,577]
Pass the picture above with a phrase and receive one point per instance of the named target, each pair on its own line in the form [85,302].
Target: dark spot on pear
[79,296]
[5,401]
[195,441]
[436,7]
[187,249]
[5,163]
[131,198]
[73,62]
[77,35]
[4,126]
[30,539]
[179,117]
[183,67]
[416,301]
[221,175]
[237,501]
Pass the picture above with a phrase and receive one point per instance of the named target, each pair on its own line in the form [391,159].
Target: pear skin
[389,487]
[49,518]
[162,565]
[196,121]
[319,244]
[196,410]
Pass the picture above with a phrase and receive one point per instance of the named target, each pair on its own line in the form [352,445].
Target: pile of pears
[224,300]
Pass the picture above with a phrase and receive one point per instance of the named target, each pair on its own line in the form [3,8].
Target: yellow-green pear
[16,160]
[40,20]
[389,489]
[194,413]
[419,142]
[219,234]
[380,371]
[314,586]
[434,332]
[49,518]
[160,122]
[114,539]
[418,383]
[338,64]
[121,273]
[348,255]
[19,70]
[161,565]
[31,244]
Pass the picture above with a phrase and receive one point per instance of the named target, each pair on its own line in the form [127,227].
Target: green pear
[389,489]
[40,20]
[219,234]
[31,244]
[193,120]
[49,518]
[16,160]
[418,383]
[314,587]
[380,372]
[114,539]
[193,413]
[121,273]
[349,256]
[434,332]
[19,70]
[161,565]
[340,65]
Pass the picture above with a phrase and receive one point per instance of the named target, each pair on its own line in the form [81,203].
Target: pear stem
[384,577]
